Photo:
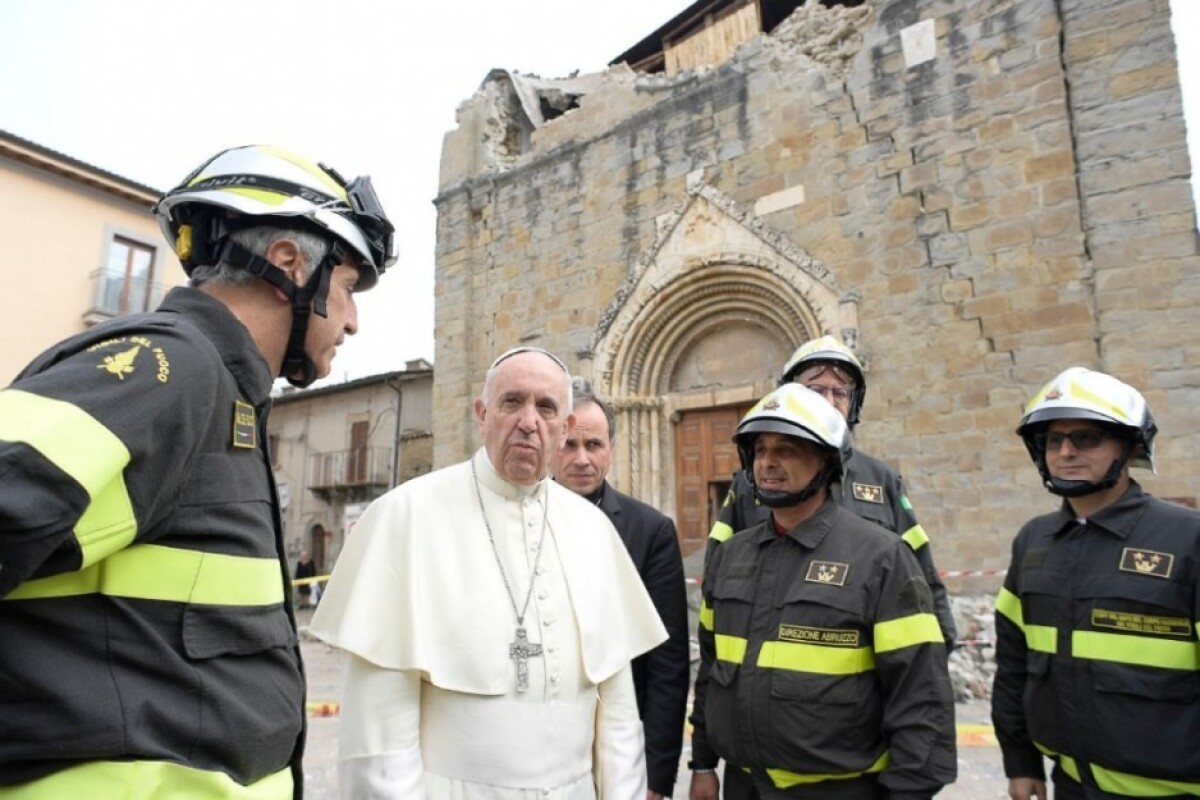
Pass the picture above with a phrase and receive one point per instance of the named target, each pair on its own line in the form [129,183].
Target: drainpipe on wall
[396,437]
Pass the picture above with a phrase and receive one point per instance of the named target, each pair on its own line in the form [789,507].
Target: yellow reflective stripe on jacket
[916,537]
[1147,651]
[153,572]
[784,779]
[149,780]
[1042,638]
[815,658]
[706,615]
[721,532]
[896,634]
[1123,782]
[1009,605]
[1137,786]
[75,442]
[1066,762]
[730,648]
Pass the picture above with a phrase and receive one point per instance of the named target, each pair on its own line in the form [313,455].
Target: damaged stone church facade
[972,194]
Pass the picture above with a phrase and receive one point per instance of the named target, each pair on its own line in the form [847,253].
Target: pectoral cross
[520,651]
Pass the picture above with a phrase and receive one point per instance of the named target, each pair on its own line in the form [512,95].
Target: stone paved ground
[980,775]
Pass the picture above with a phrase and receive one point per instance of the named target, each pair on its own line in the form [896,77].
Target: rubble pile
[973,662]
[828,35]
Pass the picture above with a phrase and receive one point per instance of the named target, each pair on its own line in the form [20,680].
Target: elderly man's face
[830,381]
[523,416]
[582,463]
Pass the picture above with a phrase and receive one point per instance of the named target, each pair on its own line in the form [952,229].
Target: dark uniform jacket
[1098,662]
[873,491]
[143,583]
[661,676]
[822,665]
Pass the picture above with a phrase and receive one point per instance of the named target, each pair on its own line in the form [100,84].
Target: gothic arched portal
[695,335]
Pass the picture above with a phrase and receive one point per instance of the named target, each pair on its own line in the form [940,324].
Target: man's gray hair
[258,239]
[507,354]
[581,392]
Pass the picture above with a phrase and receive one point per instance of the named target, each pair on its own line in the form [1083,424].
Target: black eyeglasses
[1085,439]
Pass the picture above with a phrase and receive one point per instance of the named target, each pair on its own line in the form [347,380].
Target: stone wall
[979,193]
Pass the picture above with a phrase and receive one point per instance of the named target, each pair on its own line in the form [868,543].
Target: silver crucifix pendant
[520,651]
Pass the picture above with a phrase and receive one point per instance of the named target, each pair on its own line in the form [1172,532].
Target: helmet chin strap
[772,499]
[298,368]
[1064,488]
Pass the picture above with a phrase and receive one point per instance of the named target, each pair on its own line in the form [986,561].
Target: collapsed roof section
[503,122]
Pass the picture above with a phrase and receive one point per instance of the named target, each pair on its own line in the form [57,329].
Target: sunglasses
[1086,439]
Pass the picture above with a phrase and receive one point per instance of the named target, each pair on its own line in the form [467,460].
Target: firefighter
[1098,661]
[823,670]
[869,488]
[147,642]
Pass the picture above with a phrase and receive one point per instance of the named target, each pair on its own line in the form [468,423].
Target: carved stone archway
[713,267]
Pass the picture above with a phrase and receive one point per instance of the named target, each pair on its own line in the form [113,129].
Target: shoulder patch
[832,573]
[868,492]
[245,428]
[1147,562]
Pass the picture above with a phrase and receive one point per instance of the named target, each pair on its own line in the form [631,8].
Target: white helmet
[1081,393]
[793,410]
[244,185]
[260,185]
[829,350]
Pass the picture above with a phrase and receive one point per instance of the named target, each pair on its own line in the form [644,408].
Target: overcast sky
[150,88]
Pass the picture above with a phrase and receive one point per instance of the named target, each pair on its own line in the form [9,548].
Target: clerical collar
[595,497]
[493,481]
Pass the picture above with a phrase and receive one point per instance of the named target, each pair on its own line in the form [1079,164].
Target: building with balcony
[86,238]
[336,448]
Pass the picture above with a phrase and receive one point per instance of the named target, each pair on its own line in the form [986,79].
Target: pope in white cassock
[489,616]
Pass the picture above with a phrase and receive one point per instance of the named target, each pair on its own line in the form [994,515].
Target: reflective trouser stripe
[916,537]
[720,532]
[148,780]
[1042,638]
[153,572]
[784,779]
[1123,783]
[706,615]
[76,442]
[1146,651]
[815,658]
[730,648]
[915,629]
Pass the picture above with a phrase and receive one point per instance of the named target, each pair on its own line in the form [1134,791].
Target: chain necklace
[521,649]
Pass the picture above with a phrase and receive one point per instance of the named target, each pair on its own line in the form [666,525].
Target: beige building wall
[975,195]
[326,475]
[58,220]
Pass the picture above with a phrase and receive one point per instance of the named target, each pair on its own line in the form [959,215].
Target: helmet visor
[372,221]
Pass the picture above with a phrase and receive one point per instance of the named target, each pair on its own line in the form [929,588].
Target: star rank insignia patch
[245,428]
[828,572]
[868,493]
[1147,562]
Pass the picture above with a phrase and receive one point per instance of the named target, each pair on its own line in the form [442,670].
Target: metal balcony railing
[362,466]
[115,294]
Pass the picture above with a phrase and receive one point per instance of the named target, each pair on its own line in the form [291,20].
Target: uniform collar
[1117,518]
[496,483]
[238,350]
[809,533]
